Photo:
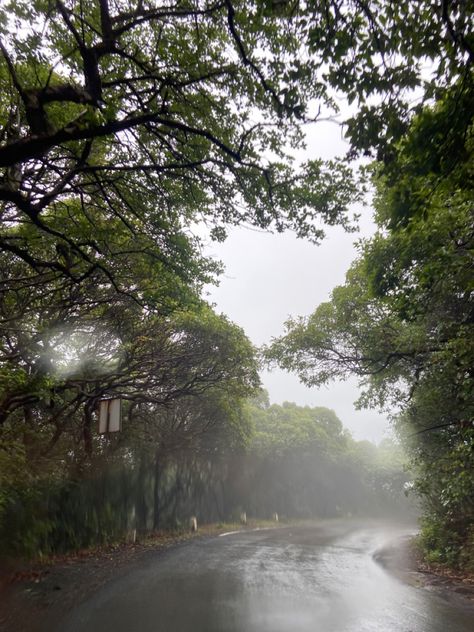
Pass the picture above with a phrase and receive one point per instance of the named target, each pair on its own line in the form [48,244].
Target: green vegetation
[123,126]
[213,459]
[177,382]
[301,463]
[403,321]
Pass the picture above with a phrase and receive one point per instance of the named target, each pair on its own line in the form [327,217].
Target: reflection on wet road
[306,579]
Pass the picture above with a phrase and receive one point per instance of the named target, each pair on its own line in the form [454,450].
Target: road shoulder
[402,559]
[35,597]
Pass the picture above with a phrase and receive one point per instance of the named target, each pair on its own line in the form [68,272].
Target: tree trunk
[141,505]
[87,429]
[156,492]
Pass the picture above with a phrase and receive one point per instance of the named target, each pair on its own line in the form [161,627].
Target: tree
[152,117]
[156,115]
[301,462]
[123,125]
[403,321]
[147,361]
[181,378]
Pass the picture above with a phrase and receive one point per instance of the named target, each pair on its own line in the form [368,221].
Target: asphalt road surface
[307,579]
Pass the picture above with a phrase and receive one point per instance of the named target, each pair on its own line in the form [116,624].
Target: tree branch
[36,146]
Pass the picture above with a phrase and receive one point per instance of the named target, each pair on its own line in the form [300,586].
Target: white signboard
[110,416]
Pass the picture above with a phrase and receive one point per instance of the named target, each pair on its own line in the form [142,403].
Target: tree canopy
[147,116]
[403,321]
[301,462]
[124,125]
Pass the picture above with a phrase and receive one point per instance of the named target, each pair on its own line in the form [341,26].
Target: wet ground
[321,578]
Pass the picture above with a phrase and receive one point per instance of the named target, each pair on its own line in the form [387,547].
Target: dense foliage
[214,459]
[403,321]
[302,463]
[123,126]
[148,116]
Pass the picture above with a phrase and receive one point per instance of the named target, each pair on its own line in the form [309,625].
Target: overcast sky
[269,277]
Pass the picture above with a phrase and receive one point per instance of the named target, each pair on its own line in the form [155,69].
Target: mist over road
[321,578]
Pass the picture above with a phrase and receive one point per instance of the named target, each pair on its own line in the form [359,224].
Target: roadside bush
[447,545]
[25,524]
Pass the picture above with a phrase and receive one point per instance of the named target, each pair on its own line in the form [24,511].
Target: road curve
[321,578]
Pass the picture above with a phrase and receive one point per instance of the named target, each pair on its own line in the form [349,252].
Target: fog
[269,277]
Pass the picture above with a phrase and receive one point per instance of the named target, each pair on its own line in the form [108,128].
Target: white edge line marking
[221,535]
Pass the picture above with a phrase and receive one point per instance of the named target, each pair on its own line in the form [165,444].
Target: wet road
[318,579]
